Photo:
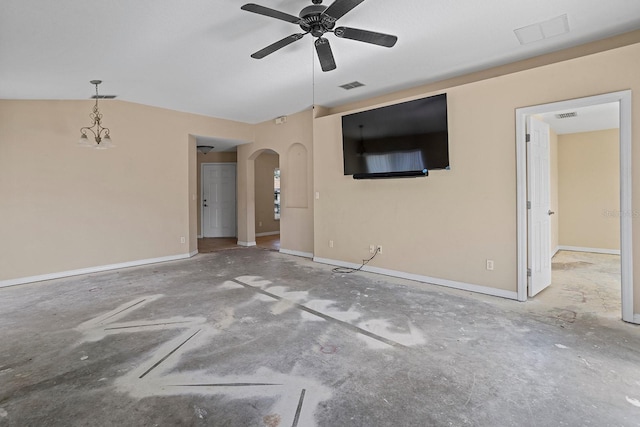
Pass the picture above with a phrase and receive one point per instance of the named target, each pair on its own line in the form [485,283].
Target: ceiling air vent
[543,30]
[351,85]
[566,115]
[103,96]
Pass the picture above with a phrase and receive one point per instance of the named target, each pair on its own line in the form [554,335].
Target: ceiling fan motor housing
[314,22]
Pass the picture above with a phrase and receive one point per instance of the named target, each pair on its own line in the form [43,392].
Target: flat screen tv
[401,140]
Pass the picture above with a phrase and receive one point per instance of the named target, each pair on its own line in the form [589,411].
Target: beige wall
[211,157]
[65,208]
[70,208]
[553,193]
[446,225]
[265,164]
[293,142]
[589,188]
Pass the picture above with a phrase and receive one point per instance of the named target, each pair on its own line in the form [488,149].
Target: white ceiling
[587,119]
[219,144]
[194,55]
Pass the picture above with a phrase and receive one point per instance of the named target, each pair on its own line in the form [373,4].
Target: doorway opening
[576,261]
[214,193]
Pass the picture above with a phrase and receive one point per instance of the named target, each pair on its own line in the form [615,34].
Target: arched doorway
[267,200]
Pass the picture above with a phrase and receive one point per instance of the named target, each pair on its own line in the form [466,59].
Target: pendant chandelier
[101,137]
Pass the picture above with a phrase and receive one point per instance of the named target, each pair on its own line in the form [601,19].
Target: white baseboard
[426,279]
[592,250]
[89,270]
[199,236]
[296,253]
[636,318]
[555,251]
[268,233]
[194,253]
[246,243]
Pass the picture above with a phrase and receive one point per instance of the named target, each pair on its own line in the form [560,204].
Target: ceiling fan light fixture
[204,149]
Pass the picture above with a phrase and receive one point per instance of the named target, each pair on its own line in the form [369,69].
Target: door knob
[551,212]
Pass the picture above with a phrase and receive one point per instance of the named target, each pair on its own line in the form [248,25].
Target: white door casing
[624,99]
[539,203]
[218,200]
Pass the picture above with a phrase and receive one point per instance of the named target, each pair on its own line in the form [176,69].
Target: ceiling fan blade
[325,55]
[380,39]
[277,45]
[261,10]
[340,7]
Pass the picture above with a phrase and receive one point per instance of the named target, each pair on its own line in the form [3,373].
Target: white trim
[626,206]
[247,244]
[555,251]
[89,270]
[626,253]
[521,206]
[425,279]
[268,233]
[193,253]
[296,253]
[636,318]
[592,250]
[199,236]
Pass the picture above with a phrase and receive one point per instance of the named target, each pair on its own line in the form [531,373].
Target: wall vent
[566,115]
[352,85]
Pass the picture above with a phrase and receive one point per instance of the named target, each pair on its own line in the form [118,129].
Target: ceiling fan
[318,20]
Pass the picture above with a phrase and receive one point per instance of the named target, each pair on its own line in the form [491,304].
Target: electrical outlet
[490,264]
[259,223]
[372,248]
[379,249]
[183,240]
[330,243]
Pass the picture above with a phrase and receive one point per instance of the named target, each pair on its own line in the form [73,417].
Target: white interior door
[219,200]
[538,191]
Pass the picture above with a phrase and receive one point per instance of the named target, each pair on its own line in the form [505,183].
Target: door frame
[626,255]
[202,165]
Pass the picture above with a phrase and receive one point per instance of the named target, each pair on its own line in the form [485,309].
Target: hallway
[214,244]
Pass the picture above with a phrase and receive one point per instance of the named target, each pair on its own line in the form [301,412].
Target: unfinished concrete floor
[251,337]
[585,284]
